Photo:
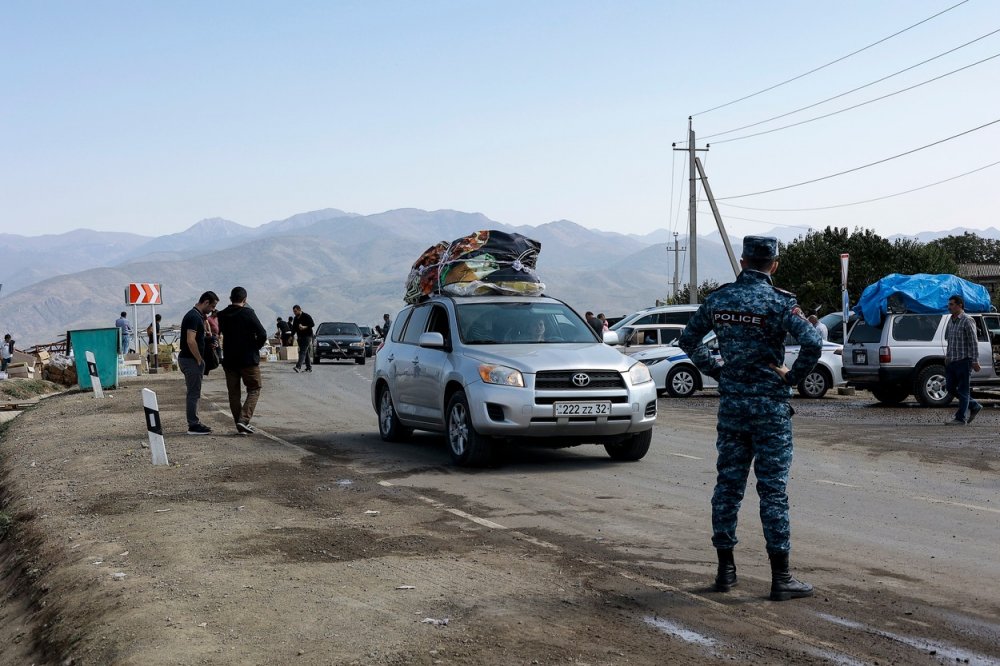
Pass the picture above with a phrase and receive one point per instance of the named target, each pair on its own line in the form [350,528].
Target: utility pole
[692,211]
[677,268]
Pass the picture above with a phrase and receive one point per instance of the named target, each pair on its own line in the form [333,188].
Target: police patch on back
[744,318]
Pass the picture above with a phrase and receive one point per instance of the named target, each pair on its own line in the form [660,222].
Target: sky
[147,117]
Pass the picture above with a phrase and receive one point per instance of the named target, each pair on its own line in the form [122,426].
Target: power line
[832,62]
[853,90]
[748,219]
[857,203]
[863,166]
[855,106]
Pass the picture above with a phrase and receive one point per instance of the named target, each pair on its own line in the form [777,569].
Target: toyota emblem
[581,379]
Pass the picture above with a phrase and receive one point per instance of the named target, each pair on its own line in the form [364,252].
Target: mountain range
[337,265]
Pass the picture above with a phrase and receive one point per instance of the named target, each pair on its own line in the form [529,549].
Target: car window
[520,322]
[416,324]
[439,322]
[862,333]
[981,332]
[915,328]
[399,325]
[992,323]
[681,318]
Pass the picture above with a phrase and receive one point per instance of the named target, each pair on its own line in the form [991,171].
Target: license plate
[860,357]
[582,408]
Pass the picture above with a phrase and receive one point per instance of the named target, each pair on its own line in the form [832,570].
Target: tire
[682,381]
[891,395]
[360,360]
[468,448]
[317,360]
[632,449]
[389,427]
[930,389]
[816,384]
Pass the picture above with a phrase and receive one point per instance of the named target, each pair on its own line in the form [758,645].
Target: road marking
[932,500]
[683,455]
[462,514]
[837,483]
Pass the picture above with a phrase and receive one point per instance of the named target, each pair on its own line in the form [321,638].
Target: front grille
[547,400]
[560,380]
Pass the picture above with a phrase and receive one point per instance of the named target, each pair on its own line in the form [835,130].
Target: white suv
[483,369]
[905,356]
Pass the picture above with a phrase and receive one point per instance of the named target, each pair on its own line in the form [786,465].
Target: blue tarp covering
[922,293]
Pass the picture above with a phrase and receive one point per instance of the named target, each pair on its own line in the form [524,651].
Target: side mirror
[611,338]
[431,340]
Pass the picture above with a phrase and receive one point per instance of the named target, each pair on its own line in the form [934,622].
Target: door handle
[392,357]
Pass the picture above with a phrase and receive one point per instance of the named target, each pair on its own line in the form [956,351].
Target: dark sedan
[338,340]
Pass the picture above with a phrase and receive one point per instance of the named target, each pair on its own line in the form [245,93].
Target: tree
[969,248]
[810,265]
[684,294]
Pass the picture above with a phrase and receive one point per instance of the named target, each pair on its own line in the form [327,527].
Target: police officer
[750,318]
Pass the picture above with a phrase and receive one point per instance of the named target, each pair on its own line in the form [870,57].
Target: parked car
[905,356]
[675,374]
[369,337]
[834,323]
[338,340]
[489,369]
[662,314]
[648,336]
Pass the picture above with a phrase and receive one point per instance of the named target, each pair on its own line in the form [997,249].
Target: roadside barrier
[95,379]
[154,428]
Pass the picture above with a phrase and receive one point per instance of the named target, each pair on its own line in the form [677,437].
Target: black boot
[726,578]
[783,586]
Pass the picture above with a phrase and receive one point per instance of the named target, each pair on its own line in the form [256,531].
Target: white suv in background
[905,356]
[650,317]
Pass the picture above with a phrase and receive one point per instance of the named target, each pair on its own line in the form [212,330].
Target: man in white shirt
[820,327]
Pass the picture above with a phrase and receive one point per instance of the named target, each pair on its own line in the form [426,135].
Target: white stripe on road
[932,500]
[836,483]
[683,455]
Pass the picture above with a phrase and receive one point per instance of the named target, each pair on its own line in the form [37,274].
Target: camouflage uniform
[750,318]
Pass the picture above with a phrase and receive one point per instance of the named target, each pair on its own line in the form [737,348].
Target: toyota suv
[489,369]
[905,356]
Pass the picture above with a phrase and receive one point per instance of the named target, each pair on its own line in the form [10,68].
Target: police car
[676,375]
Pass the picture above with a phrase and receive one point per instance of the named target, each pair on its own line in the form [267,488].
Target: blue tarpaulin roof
[922,293]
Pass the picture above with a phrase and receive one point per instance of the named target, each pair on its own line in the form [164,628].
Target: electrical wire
[860,104]
[858,203]
[807,227]
[853,90]
[863,166]
[832,62]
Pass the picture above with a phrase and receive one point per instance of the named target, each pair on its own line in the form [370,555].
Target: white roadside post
[157,447]
[844,258]
[95,379]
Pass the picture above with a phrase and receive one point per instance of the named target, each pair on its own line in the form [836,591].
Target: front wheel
[815,384]
[360,360]
[317,360]
[633,448]
[468,447]
[682,381]
[931,390]
[389,427]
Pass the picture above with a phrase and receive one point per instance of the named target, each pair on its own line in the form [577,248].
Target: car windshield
[328,328]
[521,323]
[365,330]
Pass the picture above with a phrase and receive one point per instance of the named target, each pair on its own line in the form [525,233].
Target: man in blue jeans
[191,359]
[961,359]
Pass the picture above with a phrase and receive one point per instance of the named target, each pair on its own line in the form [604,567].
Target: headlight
[501,374]
[323,344]
[357,344]
[639,374]
[652,361]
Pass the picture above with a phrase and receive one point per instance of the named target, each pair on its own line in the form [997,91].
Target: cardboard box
[288,353]
[21,357]
[21,370]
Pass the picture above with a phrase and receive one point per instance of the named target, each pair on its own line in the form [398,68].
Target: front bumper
[323,350]
[506,411]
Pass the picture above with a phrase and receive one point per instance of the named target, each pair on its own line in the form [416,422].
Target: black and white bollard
[157,447]
[95,379]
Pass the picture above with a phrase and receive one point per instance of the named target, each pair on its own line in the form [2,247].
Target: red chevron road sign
[143,293]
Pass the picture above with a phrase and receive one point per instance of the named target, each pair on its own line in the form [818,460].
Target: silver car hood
[533,358]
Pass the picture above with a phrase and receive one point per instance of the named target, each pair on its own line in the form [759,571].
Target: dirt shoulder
[249,550]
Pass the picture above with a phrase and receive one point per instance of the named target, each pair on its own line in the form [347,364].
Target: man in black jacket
[302,326]
[242,337]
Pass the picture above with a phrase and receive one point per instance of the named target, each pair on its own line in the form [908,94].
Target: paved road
[896,519]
